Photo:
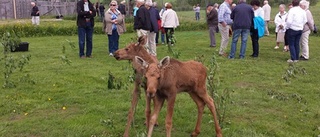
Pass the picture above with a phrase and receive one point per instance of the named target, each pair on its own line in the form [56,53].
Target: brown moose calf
[169,77]
[129,53]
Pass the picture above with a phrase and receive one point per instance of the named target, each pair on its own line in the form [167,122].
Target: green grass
[94,110]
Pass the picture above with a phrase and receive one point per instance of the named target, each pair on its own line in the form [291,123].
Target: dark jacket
[82,15]
[212,18]
[35,9]
[101,8]
[142,19]
[122,9]
[242,16]
[154,17]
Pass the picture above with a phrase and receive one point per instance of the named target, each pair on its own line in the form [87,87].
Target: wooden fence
[18,9]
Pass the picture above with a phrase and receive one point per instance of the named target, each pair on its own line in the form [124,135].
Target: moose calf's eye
[126,49]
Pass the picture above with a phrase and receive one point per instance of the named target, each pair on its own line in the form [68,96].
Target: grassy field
[73,100]
[52,98]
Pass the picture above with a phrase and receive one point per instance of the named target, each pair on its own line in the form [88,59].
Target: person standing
[85,22]
[97,8]
[267,11]
[242,16]
[101,10]
[196,9]
[212,21]
[35,14]
[158,21]
[161,29]
[114,26]
[257,31]
[296,19]
[224,25]
[280,22]
[307,28]
[142,19]
[154,17]
[169,22]
[122,8]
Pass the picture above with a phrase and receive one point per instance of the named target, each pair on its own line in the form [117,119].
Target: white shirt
[86,6]
[267,11]
[259,12]
[169,19]
[280,20]
[296,18]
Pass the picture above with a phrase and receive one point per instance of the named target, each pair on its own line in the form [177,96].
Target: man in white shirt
[267,11]
[296,19]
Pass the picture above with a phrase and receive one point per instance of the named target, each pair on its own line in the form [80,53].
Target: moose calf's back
[183,75]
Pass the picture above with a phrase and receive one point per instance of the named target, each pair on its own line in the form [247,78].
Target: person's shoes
[83,57]
[276,47]
[111,55]
[254,56]
[89,56]
[212,46]
[292,61]
[223,55]
[303,58]
[162,43]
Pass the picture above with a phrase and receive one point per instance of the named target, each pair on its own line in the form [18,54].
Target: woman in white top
[258,12]
[280,21]
[169,22]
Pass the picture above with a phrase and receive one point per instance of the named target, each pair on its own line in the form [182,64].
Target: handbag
[280,36]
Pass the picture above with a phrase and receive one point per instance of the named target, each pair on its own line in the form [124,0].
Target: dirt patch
[242,84]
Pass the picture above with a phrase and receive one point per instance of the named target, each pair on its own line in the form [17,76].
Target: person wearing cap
[142,19]
[85,22]
[35,14]
[114,26]
[154,17]
[212,21]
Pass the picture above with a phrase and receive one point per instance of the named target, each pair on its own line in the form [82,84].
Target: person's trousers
[266,28]
[85,37]
[152,47]
[294,39]
[255,43]
[197,15]
[35,20]
[113,41]
[102,16]
[224,31]
[244,37]
[304,44]
[169,33]
[141,32]
[212,31]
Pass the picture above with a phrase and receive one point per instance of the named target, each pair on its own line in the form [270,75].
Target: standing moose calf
[169,77]
[129,53]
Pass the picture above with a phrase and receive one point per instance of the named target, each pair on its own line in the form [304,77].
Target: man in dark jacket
[154,17]
[85,22]
[35,14]
[142,19]
[122,7]
[242,16]
[101,10]
[212,21]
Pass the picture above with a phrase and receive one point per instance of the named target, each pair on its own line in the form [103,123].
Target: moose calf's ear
[164,62]
[142,40]
[141,61]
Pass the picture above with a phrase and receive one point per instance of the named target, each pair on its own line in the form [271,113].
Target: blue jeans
[85,35]
[294,38]
[113,41]
[197,15]
[244,36]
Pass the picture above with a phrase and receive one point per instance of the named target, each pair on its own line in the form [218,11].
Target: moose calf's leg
[158,103]
[170,108]
[209,101]
[200,104]
[148,111]
[134,102]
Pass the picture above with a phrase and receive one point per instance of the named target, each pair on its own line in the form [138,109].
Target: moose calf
[169,77]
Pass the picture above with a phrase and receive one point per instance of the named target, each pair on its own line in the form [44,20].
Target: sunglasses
[112,5]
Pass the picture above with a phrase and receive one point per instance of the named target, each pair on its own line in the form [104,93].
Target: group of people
[148,21]
[241,19]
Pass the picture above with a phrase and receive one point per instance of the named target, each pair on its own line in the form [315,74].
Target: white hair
[265,2]
[282,5]
[305,4]
[149,3]
[141,1]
